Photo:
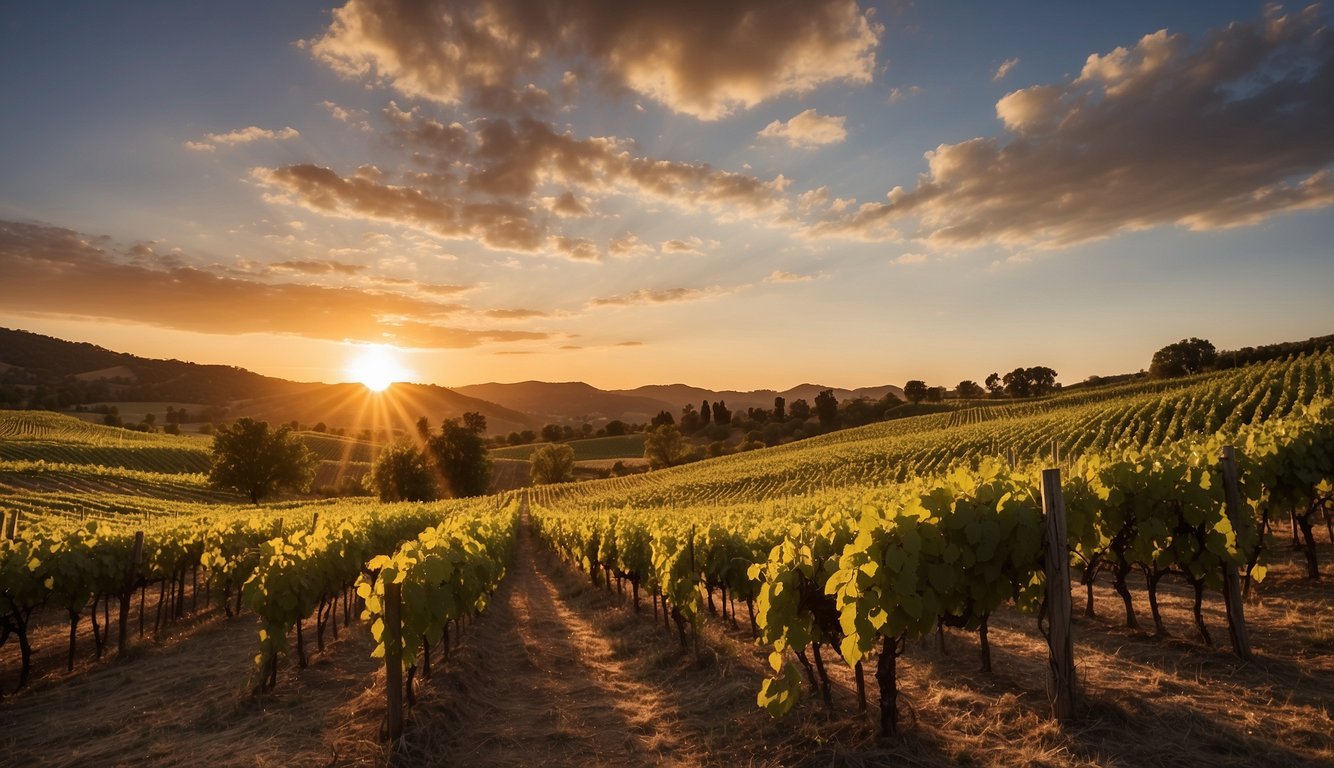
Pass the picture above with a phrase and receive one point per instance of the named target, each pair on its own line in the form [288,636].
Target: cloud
[665,296]
[52,271]
[628,246]
[697,57]
[808,129]
[243,136]
[898,95]
[780,276]
[489,176]
[318,267]
[908,259]
[497,224]
[691,246]
[1004,69]
[514,314]
[1224,133]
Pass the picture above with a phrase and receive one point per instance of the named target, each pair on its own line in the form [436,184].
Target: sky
[739,195]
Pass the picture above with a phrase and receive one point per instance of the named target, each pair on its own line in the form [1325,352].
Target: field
[589,449]
[876,590]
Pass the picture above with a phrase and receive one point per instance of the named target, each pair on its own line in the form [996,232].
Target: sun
[376,366]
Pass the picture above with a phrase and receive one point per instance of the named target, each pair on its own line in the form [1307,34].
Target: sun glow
[376,367]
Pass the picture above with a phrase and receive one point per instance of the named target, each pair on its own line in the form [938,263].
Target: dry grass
[560,673]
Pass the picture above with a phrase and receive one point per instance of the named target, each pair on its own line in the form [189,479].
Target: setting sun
[376,367]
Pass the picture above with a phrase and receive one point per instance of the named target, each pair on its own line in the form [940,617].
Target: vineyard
[802,596]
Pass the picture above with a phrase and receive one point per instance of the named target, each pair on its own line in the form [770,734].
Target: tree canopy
[915,391]
[401,473]
[250,458]
[665,447]
[459,455]
[1183,358]
[552,464]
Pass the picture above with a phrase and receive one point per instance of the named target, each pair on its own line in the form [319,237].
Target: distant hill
[41,371]
[680,394]
[566,401]
[398,407]
[556,402]
[89,374]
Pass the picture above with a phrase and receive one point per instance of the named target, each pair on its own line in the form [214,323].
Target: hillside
[397,408]
[63,373]
[680,394]
[572,400]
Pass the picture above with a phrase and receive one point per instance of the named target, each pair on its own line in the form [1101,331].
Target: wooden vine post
[1057,563]
[12,526]
[1236,615]
[393,660]
[127,588]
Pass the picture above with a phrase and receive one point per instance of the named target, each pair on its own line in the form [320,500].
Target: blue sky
[272,184]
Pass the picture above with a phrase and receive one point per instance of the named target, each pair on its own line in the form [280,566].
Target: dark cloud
[1221,134]
[53,271]
[699,57]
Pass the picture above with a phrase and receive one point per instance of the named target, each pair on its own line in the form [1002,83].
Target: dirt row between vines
[558,672]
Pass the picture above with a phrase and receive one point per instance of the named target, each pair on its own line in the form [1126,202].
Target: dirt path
[538,682]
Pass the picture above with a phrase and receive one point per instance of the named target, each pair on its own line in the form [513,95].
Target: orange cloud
[697,57]
[1222,134]
[808,129]
[53,271]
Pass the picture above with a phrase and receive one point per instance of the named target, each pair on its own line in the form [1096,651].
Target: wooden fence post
[131,573]
[393,660]
[1236,615]
[1057,563]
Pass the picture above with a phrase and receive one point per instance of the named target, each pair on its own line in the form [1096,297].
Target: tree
[690,420]
[1017,383]
[475,422]
[993,384]
[799,410]
[615,428]
[826,409]
[459,457]
[968,389]
[1041,380]
[401,473]
[664,447]
[1183,358]
[915,391]
[721,414]
[935,395]
[249,458]
[552,433]
[552,464]
[705,413]
[663,417]
[780,408]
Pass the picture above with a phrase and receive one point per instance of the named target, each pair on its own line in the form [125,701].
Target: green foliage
[552,464]
[665,447]
[400,473]
[459,455]
[251,459]
[1183,358]
[915,391]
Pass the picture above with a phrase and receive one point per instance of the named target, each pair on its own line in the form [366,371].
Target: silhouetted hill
[572,400]
[41,371]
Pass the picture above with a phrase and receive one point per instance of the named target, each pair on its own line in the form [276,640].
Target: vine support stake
[127,588]
[393,660]
[1236,615]
[12,526]
[1057,563]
